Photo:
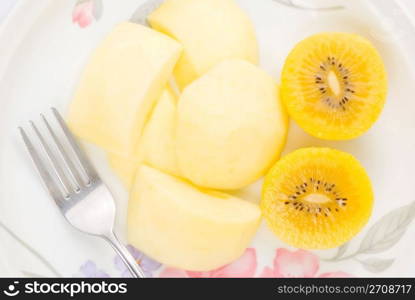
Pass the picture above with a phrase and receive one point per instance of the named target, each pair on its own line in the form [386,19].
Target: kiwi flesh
[317,198]
[334,85]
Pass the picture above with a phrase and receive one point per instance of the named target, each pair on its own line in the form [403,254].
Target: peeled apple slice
[157,146]
[231,126]
[125,167]
[120,85]
[210,31]
[182,226]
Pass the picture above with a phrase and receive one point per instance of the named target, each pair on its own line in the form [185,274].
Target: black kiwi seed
[327,65]
[301,190]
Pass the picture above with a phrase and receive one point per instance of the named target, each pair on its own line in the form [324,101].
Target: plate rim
[16,26]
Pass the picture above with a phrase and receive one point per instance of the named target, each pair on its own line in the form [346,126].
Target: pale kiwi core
[317,198]
[333,82]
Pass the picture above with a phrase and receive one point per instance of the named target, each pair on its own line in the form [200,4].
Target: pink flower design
[86,11]
[147,264]
[298,263]
[173,273]
[90,269]
[245,266]
[338,274]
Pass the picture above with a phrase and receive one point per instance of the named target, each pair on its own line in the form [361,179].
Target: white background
[62,37]
[7,5]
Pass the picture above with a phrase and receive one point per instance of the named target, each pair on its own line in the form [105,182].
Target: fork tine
[50,184]
[55,163]
[85,163]
[69,163]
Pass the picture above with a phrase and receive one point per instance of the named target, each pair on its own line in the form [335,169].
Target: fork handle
[125,255]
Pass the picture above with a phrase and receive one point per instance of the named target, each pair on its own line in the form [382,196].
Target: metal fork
[76,188]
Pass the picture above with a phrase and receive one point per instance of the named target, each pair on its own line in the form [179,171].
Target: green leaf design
[31,274]
[341,251]
[295,4]
[141,13]
[98,8]
[81,1]
[376,265]
[386,232]
[30,249]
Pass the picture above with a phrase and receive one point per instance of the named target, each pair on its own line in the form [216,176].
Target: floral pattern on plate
[85,12]
[380,237]
[287,263]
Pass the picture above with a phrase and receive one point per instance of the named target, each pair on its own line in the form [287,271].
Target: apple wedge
[182,226]
[209,30]
[157,145]
[231,126]
[120,85]
[158,142]
[125,167]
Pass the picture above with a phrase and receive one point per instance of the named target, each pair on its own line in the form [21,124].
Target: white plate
[42,54]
